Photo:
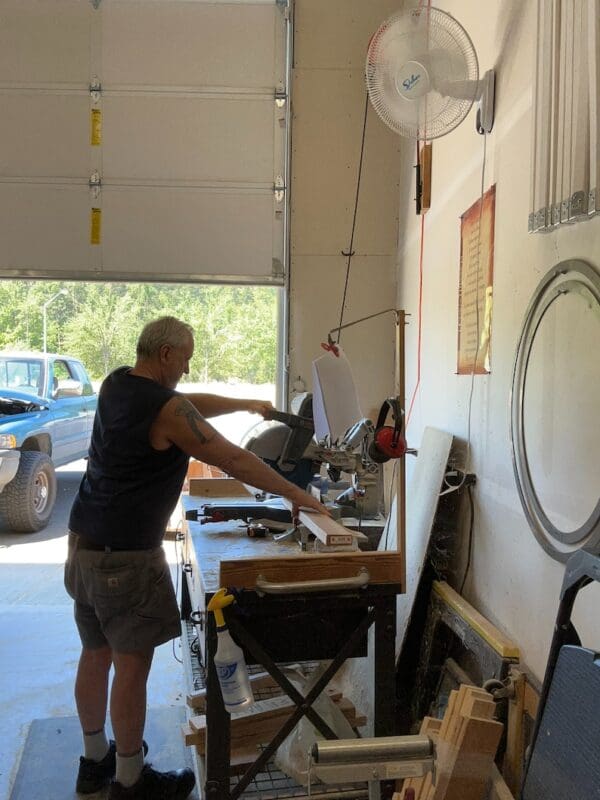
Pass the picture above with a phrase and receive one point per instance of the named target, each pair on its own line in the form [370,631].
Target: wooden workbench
[325,624]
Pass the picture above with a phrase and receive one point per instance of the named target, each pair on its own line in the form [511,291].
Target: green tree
[235,327]
[103,330]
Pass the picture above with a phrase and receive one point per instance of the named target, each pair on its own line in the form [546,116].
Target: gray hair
[165,330]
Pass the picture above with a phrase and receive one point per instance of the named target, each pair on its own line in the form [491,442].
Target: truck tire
[28,500]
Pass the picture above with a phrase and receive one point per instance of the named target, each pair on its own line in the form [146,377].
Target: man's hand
[303,501]
[262,407]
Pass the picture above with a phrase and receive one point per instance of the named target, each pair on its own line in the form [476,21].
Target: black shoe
[95,775]
[153,785]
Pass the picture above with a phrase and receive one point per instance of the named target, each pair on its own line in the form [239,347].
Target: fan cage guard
[435,114]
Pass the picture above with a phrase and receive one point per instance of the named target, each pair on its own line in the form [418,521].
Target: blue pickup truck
[47,406]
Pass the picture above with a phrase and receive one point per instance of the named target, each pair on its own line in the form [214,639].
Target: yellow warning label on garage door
[96,127]
[96,220]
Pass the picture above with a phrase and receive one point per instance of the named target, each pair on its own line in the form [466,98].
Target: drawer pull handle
[359,581]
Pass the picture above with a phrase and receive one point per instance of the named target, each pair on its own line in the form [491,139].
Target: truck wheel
[29,498]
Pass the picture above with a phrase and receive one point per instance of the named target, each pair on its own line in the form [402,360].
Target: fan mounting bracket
[484,121]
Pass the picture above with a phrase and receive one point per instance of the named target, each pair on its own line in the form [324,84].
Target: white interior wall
[331,40]
[512,580]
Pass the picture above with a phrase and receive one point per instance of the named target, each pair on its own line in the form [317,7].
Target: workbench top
[215,542]
[222,554]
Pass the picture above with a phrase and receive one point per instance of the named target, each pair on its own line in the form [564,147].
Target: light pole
[45,307]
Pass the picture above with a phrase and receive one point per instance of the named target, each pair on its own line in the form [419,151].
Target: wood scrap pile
[258,724]
[466,742]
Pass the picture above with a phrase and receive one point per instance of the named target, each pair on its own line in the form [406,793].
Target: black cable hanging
[350,252]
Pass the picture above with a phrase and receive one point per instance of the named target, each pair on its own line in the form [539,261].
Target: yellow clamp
[218,601]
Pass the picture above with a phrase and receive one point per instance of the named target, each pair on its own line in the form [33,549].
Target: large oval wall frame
[568,276]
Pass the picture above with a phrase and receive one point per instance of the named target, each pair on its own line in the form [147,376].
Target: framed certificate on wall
[475,286]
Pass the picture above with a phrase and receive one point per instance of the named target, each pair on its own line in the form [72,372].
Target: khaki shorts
[123,599]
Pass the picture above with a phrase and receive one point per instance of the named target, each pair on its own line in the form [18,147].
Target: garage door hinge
[95,183]
[95,89]
[277,269]
[280,98]
[279,189]
[96,3]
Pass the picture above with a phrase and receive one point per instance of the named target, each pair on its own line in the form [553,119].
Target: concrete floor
[39,645]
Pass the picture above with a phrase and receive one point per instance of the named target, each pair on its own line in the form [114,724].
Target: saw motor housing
[290,449]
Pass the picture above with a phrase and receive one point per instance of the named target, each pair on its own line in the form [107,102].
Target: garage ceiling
[170,104]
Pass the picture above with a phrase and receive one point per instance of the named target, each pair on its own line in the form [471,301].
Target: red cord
[420,319]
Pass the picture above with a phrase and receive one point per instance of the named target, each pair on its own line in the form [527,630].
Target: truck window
[21,374]
[62,372]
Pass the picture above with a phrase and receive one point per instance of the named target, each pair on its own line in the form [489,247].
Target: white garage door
[142,140]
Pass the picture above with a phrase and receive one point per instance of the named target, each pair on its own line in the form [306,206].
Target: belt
[88,544]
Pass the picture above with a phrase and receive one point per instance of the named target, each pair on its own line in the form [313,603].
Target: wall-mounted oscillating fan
[423,76]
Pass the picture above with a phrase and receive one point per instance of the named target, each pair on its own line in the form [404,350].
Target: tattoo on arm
[187,410]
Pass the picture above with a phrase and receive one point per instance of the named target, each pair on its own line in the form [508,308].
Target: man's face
[176,362]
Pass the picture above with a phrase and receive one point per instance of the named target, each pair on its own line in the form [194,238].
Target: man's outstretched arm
[180,423]
[212,405]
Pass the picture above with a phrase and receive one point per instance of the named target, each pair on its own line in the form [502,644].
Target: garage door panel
[149,43]
[186,231]
[188,142]
[188,138]
[44,135]
[44,227]
[45,41]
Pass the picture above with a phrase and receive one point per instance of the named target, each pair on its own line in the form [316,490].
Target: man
[144,433]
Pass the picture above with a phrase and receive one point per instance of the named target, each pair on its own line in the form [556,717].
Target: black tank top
[129,489]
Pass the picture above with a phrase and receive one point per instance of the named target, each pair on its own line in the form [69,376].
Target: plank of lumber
[217,487]
[466,777]
[431,727]
[448,715]
[476,707]
[451,731]
[259,681]
[470,701]
[425,787]
[515,733]
[499,790]
[346,706]
[190,736]
[326,529]
[255,725]
[501,643]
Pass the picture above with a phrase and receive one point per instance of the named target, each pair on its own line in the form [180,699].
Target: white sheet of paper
[335,399]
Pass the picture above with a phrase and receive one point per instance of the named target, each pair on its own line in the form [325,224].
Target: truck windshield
[22,374]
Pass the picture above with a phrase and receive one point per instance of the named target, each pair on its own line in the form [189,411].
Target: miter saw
[287,445]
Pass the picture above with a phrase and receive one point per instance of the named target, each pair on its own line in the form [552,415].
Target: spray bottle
[229,659]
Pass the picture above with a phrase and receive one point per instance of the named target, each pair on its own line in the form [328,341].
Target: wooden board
[501,643]
[258,680]
[259,723]
[476,746]
[499,790]
[326,529]
[466,742]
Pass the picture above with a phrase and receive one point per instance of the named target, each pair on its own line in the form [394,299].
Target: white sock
[129,768]
[95,745]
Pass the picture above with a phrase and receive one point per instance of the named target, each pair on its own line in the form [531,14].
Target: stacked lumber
[258,724]
[466,742]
